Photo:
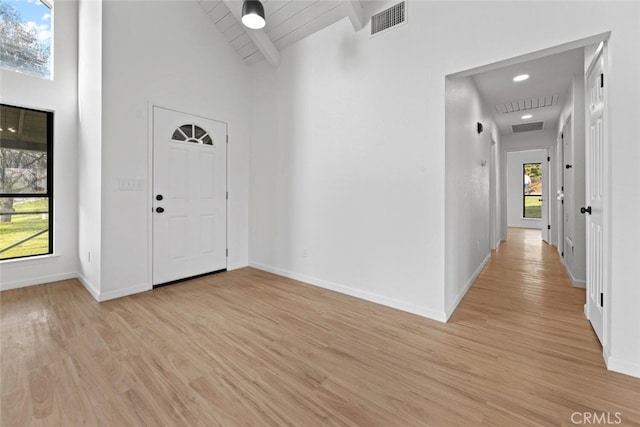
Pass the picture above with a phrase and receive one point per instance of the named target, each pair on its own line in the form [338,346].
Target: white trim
[118,293]
[35,281]
[534,55]
[347,290]
[90,287]
[622,366]
[577,283]
[454,304]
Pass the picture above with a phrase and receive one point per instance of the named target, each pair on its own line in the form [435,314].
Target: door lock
[159,197]
[160,209]
[586,210]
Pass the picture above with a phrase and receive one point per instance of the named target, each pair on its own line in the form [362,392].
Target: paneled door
[189,195]
[596,187]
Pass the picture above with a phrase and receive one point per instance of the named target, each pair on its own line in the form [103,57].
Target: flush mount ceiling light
[527,116]
[521,78]
[253,14]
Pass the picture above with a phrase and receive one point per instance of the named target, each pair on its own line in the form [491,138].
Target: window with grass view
[26,185]
[532,191]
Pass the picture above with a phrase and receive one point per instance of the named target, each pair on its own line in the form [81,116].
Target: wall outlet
[130,184]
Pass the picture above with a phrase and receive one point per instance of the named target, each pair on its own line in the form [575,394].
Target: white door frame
[149,189]
[503,179]
[603,52]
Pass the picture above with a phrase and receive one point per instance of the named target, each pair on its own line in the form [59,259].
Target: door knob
[160,209]
[568,166]
[586,210]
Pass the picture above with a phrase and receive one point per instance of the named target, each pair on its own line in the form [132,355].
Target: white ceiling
[287,21]
[542,95]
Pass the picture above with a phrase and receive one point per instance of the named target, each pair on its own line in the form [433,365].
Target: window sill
[31,258]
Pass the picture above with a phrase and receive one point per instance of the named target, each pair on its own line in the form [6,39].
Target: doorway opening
[527,114]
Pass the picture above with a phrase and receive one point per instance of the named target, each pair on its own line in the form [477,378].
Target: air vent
[388,18]
[527,127]
[527,104]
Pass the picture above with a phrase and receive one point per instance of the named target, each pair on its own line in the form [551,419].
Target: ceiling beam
[259,37]
[355,12]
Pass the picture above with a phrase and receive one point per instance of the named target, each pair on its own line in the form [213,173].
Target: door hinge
[562,254]
[227,252]
[548,227]
[227,195]
[562,135]
[562,188]
[548,159]
[227,139]
[601,79]
[601,299]
[562,201]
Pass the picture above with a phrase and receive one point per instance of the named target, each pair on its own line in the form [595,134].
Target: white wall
[514,183]
[574,186]
[348,148]
[341,169]
[180,61]
[467,201]
[90,143]
[57,95]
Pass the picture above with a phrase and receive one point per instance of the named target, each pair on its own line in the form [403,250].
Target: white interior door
[189,195]
[596,196]
[544,229]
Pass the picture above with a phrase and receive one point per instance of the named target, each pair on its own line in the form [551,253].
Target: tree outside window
[25,37]
[532,190]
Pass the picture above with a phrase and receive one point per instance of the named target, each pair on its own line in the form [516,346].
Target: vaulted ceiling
[287,22]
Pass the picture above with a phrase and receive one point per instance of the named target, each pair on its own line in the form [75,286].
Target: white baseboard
[118,293]
[34,281]
[90,287]
[454,304]
[368,296]
[622,366]
[577,283]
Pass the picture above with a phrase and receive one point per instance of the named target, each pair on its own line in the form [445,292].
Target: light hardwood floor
[247,348]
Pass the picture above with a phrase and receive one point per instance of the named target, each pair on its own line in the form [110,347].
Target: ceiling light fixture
[527,116]
[253,14]
[12,130]
[521,78]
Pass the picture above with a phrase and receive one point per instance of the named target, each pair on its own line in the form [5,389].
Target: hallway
[524,303]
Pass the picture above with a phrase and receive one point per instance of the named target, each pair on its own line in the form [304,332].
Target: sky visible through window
[36,15]
[30,44]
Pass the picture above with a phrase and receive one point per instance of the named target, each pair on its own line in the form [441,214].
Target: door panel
[544,230]
[595,198]
[189,190]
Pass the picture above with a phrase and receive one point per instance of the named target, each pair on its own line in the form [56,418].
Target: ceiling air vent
[527,127]
[388,18]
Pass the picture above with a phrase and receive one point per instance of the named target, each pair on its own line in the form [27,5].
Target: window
[192,133]
[25,36]
[26,182]
[532,191]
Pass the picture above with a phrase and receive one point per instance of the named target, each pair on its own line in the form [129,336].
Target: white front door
[544,229]
[595,170]
[189,195]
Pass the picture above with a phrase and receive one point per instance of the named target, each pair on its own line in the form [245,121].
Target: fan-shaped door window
[192,133]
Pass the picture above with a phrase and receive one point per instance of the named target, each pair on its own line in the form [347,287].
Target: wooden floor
[247,348]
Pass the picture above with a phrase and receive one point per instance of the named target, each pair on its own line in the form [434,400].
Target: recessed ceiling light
[527,116]
[521,78]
